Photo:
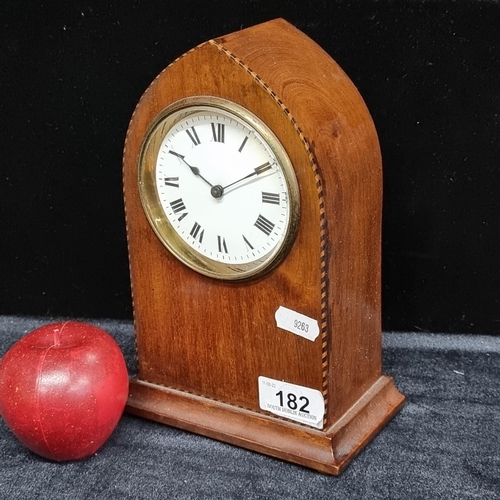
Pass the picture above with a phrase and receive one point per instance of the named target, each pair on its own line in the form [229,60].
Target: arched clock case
[253,198]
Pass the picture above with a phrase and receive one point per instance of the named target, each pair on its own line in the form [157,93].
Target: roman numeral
[196,233]
[218,133]
[178,206]
[193,136]
[266,226]
[273,198]
[247,243]
[222,244]
[172,181]
[243,144]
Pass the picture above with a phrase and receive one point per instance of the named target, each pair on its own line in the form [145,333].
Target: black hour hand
[195,170]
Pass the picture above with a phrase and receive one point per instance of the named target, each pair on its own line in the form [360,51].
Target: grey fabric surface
[445,443]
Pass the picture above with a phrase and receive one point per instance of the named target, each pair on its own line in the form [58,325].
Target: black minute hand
[195,170]
[257,171]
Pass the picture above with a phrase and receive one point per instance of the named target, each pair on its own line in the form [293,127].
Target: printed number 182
[291,401]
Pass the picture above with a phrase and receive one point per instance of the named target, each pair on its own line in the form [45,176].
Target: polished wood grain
[203,343]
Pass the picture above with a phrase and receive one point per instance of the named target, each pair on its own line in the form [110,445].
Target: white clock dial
[223,190]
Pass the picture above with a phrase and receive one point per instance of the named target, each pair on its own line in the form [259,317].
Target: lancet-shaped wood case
[202,343]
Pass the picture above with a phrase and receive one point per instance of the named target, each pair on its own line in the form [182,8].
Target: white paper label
[297,323]
[291,401]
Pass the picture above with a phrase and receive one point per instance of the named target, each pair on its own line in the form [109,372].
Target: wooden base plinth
[327,451]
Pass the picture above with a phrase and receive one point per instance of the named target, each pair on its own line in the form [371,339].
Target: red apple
[63,388]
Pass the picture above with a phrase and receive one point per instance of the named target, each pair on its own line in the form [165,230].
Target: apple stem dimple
[57,335]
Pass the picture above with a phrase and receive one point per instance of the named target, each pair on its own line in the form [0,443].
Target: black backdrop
[71,73]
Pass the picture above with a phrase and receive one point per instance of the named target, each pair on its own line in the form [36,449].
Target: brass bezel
[155,214]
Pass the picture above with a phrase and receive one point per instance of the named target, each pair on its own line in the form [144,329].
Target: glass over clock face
[218,188]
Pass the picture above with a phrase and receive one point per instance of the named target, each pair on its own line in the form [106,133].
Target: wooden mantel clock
[253,183]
